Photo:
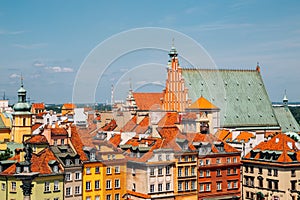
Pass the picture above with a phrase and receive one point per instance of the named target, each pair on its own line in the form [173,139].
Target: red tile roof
[38,106]
[36,126]
[68,106]
[224,135]
[115,139]
[110,126]
[37,139]
[244,136]
[130,125]
[148,101]
[59,131]
[77,143]
[170,119]
[279,144]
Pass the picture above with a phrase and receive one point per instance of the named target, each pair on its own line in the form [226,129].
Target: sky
[48,42]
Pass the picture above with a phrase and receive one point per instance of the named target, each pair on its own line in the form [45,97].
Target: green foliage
[6,154]
[296,112]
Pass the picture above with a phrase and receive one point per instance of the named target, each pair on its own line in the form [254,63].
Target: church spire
[285,99]
[173,52]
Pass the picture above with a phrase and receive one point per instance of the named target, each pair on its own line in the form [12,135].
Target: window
[108,157]
[218,172]
[179,171]
[55,169]
[151,171]
[201,187]
[93,156]
[88,170]
[275,172]
[68,177]
[207,187]
[88,185]
[193,171]
[88,198]
[167,170]
[235,184]
[108,184]
[229,185]
[13,186]
[47,187]
[97,197]
[68,191]
[117,196]
[201,173]
[246,169]
[259,170]
[160,187]
[276,185]
[159,157]
[193,185]
[133,187]
[251,169]
[269,172]
[228,171]
[97,170]
[293,173]
[207,173]
[159,171]
[152,188]
[293,185]
[193,158]
[207,161]
[186,158]
[179,186]
[168,157]
[117,169]
[2,186]
[133,171]
[77,190]
[55,142]
[56,186]
[167,186]
[108,170]
[62,141]
[219,185]
[234,170]
[201,162]
[269,184]
[77,175]
[186,185]
[24,121]
[117,183]
[260,181]
[218,161]
[234,160]
[228,160]
[97,184]
[108,197]
[77,161]
[186,171]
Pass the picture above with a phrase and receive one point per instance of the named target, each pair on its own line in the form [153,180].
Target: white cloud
[4,32]
[38,64]
[14,76]
[58,69]
[30,46]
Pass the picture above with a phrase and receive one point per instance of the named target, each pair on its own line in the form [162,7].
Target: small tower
[285,100]
[22,120]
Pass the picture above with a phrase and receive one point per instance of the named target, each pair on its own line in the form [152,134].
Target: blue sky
[47,41]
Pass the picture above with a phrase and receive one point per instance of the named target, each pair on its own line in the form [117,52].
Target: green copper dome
[22,105]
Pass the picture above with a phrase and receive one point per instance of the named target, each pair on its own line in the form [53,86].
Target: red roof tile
[77,143]
[37,139]
[58,131]
[110,126]
[170,119]
[138,194]
[36,126]
[38,106]
[68,106]
[148,101]
[115,139]
[130,125]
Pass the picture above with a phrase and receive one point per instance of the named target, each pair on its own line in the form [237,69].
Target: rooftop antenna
[173,42]
[4,95]
[130,84]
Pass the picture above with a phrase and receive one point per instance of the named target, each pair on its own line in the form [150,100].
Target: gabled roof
[115,139]
[130,125]
[39,163]
[37,139]
[244,136]
[224,134]
[203,104]
[170,119]
[77,144]
[286,120]
[68,106]
[110,126]
[148,101]
[240,95]
[58,131]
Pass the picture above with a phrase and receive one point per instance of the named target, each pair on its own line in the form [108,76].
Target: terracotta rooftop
[281,148]
[130,125]
[68,106]
[148,101]
[38,106]
[76,141]
[244,136]
[36,126]
[37,139]
[170,119]
[115,139]
[110,126]
[203,104]
[58,131]
[224,135]
[138,194]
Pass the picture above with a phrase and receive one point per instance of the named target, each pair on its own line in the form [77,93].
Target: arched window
[24,121]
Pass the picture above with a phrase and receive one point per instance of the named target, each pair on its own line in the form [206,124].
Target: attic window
[55,169]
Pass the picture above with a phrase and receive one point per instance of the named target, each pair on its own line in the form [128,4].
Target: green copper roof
[240,94]
[286,120]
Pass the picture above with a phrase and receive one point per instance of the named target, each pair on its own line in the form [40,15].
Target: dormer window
[93,156]
[18,169]
[68,162]
[55,169]
[77,161]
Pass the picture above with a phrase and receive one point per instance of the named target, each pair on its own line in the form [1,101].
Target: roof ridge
[223,69]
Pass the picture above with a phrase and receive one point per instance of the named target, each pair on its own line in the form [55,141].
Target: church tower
[22,120]
[175,93]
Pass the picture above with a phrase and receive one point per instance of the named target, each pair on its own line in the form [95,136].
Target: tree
[6,154]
